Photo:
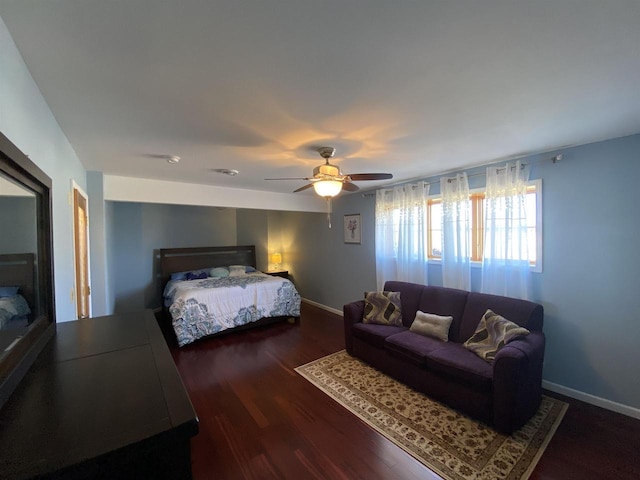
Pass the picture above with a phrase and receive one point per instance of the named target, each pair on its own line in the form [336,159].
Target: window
[434,226]
[477,206]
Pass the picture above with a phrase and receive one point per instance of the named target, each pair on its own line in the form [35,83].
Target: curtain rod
[554,159]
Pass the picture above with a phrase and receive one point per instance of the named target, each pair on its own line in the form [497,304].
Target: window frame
[476,197]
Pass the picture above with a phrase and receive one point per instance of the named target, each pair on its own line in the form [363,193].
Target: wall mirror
[27,316]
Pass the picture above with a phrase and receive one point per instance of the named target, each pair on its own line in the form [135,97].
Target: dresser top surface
[99,385]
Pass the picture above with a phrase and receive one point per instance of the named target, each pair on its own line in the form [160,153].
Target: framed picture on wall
[352,228]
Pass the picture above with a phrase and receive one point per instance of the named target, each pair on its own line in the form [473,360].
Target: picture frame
[353,228]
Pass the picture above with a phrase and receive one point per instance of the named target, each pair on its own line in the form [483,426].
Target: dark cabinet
[279,273]
[103,400]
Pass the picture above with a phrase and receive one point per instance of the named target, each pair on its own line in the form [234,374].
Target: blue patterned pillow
[183,275]
[382,308]
[196,275]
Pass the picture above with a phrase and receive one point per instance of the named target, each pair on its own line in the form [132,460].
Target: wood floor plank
[260,420]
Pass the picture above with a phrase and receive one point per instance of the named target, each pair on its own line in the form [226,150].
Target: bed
[211,290]
[17,295]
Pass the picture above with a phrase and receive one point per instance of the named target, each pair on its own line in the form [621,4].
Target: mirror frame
[13,367]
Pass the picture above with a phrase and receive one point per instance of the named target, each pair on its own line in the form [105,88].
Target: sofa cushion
[455,361]
[445,301]
[493,333]
[382,308]
[411,346]
[410,298]
[432,325]
[375,334]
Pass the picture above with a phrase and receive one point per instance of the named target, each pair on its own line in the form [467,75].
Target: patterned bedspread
[203,307]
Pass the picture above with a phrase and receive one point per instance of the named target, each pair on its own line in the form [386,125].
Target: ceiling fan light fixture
[327,188]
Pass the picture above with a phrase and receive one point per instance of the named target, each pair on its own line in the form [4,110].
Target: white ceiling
[413,88]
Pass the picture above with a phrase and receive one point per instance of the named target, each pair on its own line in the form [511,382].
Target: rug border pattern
[543,426]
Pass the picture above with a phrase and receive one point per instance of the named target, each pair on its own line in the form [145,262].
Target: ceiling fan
[328,181]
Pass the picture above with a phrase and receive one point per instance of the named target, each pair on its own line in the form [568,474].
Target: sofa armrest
[517,381]
[352,313]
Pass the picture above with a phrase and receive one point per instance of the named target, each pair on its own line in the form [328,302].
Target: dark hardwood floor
[260,420]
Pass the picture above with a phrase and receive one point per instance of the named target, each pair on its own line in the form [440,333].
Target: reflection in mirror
[27,316]
[18,245]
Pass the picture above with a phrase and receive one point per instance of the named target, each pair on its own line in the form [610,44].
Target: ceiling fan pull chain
[329,211]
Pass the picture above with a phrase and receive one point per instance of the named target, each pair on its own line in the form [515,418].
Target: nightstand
[278,273]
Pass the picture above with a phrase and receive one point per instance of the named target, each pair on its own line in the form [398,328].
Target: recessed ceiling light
[226,171]
[173,159]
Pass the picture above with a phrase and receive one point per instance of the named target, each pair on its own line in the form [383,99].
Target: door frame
[75,187]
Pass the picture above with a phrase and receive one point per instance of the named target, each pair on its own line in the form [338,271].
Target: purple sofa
[504,394]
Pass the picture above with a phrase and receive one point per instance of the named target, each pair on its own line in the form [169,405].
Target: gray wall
[253,229]
[137,231]
[588,284]
[326,270]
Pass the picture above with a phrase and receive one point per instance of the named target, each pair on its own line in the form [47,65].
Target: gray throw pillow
[432,325]
[493,333]
[382,308]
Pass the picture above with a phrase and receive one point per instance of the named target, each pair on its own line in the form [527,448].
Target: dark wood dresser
[104,400]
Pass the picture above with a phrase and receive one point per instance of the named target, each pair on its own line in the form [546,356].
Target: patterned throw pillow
[382,308]
[195,275]
[493,333]
[432,325]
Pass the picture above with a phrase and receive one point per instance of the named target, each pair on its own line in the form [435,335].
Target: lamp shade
[276,257]
[327,188]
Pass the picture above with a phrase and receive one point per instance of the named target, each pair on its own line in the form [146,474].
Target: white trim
[537,268]
[592,399]
[323,307]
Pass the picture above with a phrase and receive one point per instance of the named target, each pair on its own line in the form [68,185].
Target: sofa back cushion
[410,294]
[526,314]
[447,302]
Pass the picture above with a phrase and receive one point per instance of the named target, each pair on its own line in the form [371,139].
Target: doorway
[81,252]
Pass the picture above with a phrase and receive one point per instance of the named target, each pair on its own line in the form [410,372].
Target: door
[81,251]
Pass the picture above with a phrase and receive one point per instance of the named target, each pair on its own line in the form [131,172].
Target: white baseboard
[592,399]
[323,307]
[554,387]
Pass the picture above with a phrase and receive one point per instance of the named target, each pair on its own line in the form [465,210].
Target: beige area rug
[447,442]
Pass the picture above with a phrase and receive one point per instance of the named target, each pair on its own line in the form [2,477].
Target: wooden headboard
[17,269]
[183,259]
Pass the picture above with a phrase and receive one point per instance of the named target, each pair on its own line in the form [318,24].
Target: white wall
[26,120]
[145,190]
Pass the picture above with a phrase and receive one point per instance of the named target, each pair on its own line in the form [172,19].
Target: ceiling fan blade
[370,176]
[309,185]
[289,178]
[350,187]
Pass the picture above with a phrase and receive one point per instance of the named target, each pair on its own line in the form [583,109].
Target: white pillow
[237,270]
[432,325]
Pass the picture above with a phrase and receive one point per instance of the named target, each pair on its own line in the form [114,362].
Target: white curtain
[401,229]
[456,232]
[505,264]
